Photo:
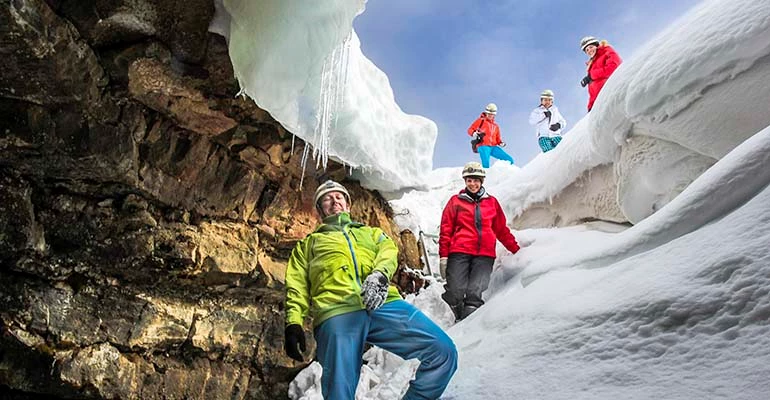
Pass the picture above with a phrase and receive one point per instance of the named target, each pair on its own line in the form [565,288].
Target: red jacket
[472,227]
[489,127]
[600,67]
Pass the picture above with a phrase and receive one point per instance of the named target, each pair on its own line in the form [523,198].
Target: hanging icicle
[334,76]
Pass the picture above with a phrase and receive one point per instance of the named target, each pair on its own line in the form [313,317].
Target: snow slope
[687,318]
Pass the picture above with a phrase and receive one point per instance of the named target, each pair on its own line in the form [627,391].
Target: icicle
[331,98]
[303,164]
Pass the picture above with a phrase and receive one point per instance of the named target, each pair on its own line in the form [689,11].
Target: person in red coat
[602,62]
[471,224]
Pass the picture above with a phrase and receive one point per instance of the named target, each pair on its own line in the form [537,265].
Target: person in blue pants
[493,151]
[486,137]
[340,276]
[397,327]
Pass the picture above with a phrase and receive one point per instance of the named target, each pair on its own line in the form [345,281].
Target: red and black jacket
[489,127]
[471,225]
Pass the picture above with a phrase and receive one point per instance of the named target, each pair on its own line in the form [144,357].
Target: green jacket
[327,267]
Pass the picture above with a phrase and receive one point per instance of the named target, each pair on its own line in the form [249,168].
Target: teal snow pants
[493,151]
[548,143]
[397,327]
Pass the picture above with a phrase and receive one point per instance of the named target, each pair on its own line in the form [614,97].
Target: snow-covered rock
[651,172]
[695,86]
[668,112]
[591,197]
[305,67]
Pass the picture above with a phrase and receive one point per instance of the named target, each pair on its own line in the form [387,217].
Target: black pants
[467,277]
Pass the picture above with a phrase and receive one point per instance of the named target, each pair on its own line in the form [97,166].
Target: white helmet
[547,94]
[473,169]
[491,109]
[329,186]
[588,40]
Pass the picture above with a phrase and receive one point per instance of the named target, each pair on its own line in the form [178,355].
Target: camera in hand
[478,137]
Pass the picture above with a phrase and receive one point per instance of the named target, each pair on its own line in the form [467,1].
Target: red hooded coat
[600,67]
[473,227]
[489,127]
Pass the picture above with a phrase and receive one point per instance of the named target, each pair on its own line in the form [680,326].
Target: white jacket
[542,123]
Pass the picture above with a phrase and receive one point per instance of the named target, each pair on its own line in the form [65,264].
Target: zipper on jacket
[477,220]
[352,255]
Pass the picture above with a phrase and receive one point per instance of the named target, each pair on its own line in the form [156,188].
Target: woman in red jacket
[602,63]
[471,224]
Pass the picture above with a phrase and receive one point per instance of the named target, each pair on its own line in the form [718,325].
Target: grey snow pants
[467,277]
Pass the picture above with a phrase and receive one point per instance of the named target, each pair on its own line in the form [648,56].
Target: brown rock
[410,254]
[191,172]
[44,59]
[227,247]
[181,25]
[272,269]
[156,86]
[18,228]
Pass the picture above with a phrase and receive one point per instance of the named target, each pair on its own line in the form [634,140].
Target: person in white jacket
[548,122]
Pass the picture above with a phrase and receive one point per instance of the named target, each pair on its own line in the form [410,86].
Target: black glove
[375,290]
[547,114]
[294,335]
[585,81]
[555,127]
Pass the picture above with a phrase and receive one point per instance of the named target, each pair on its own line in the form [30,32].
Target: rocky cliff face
[146,213]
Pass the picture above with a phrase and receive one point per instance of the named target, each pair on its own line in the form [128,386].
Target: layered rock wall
[146,213]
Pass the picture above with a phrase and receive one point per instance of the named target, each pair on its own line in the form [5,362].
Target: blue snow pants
[397,327]
[548,143]
[495,151]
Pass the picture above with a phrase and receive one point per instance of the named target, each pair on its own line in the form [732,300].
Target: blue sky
[447,59]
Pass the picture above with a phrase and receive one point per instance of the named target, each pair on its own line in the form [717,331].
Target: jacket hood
[600,49]
[463,194]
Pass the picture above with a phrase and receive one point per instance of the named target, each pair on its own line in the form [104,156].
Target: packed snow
[675,306]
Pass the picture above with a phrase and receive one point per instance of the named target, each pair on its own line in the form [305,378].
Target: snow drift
[303,64]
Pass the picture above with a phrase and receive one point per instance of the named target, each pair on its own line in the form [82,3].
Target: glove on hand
[442,266]
[585,81]
[294,335]
[375,290]
[555,127]
[547,114]
[502,144]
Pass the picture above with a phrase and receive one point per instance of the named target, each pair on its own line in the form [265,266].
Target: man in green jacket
[340,275]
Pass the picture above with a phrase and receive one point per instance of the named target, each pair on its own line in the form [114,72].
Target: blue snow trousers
[495,151]
[397,327]
[548,143]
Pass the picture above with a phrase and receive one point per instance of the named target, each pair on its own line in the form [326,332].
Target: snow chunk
[305,67]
